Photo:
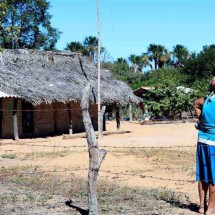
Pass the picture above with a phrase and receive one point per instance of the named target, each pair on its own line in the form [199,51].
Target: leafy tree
[169,102]
[201,65]
[139,62]
[122,71]
[26,24]
[89,49]
[75,47]
[134,60]
[180,55]
[159,54]
[164,77]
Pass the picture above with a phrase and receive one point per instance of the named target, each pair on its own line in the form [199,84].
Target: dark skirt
[205,163]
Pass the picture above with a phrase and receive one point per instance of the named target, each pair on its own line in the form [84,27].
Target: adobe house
[40,92]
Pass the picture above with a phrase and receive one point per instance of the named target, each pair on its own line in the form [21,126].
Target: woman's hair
[212,85]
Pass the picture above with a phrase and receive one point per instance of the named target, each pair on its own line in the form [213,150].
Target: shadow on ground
[190,206]
[80,210]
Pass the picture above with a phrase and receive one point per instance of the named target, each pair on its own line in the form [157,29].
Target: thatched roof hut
[39,76]
[53,81]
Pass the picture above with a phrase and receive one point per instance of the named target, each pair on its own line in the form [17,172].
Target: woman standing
[205,155]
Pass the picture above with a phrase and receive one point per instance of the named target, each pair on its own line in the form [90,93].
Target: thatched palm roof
[39,76]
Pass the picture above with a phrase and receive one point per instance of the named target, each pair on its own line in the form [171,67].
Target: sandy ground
[173,167]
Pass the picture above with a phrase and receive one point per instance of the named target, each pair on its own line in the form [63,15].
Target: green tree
[26,24]
[91,48]
[180,55]
[75,47]
[139,62]
[159,54]
[134,60]
[122,71]
[164,77]
[169,101]
[203,63]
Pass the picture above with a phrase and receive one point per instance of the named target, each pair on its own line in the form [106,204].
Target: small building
[44,89]
[141,91]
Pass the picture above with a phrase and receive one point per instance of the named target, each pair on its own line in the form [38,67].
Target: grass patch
[43,154]
[9,156]
[113,199]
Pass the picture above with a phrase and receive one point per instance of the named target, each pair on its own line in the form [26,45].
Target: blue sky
[129,26]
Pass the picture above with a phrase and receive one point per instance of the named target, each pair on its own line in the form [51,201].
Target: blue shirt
[207,124]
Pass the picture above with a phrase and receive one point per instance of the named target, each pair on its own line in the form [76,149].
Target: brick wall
[43,120]
[61,118]
[7,118]
[49,119]
[77,119]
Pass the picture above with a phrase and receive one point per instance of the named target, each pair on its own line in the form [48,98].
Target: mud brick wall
[7,118]
[43,120]
[77,119]
[93,109]
[49,119]
[61,118]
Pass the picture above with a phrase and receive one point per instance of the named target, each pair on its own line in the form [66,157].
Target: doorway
[27,119]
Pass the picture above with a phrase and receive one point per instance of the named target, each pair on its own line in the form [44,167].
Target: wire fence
[55,146]
[101,146]
[149,207]
[142,176]
[85,169]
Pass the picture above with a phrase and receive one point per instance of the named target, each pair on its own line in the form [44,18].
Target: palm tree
[75,47]
[159,54]
[145,60]
[91,46]
[180,54]
[134,60]
[121,60]
[138,62]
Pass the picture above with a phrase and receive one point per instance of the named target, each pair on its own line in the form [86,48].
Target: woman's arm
[198,106]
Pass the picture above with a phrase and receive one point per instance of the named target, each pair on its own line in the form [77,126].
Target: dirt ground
[170,167]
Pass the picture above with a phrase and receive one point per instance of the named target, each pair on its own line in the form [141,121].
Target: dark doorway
[27,119]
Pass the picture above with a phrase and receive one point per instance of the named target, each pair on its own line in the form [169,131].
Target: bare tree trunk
[15,121]
[96,155]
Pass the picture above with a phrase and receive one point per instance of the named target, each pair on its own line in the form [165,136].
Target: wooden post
[70,119]
[15,121]
[96,155]
[99,76]
[102,120]
[130,112]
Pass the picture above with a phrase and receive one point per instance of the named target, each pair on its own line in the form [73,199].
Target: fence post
[15,121]
[130,112]
[102,119]
[96,155]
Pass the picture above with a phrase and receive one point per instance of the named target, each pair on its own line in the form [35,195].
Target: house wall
[7,117]
[77,119]
[61,118]
[43,120]
[49,119]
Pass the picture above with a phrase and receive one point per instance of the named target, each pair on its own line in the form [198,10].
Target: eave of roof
[39,76]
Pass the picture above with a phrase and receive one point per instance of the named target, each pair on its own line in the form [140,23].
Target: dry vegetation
[33,179]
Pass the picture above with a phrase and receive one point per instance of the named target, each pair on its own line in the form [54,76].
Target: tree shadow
[80,210]
[190,206]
